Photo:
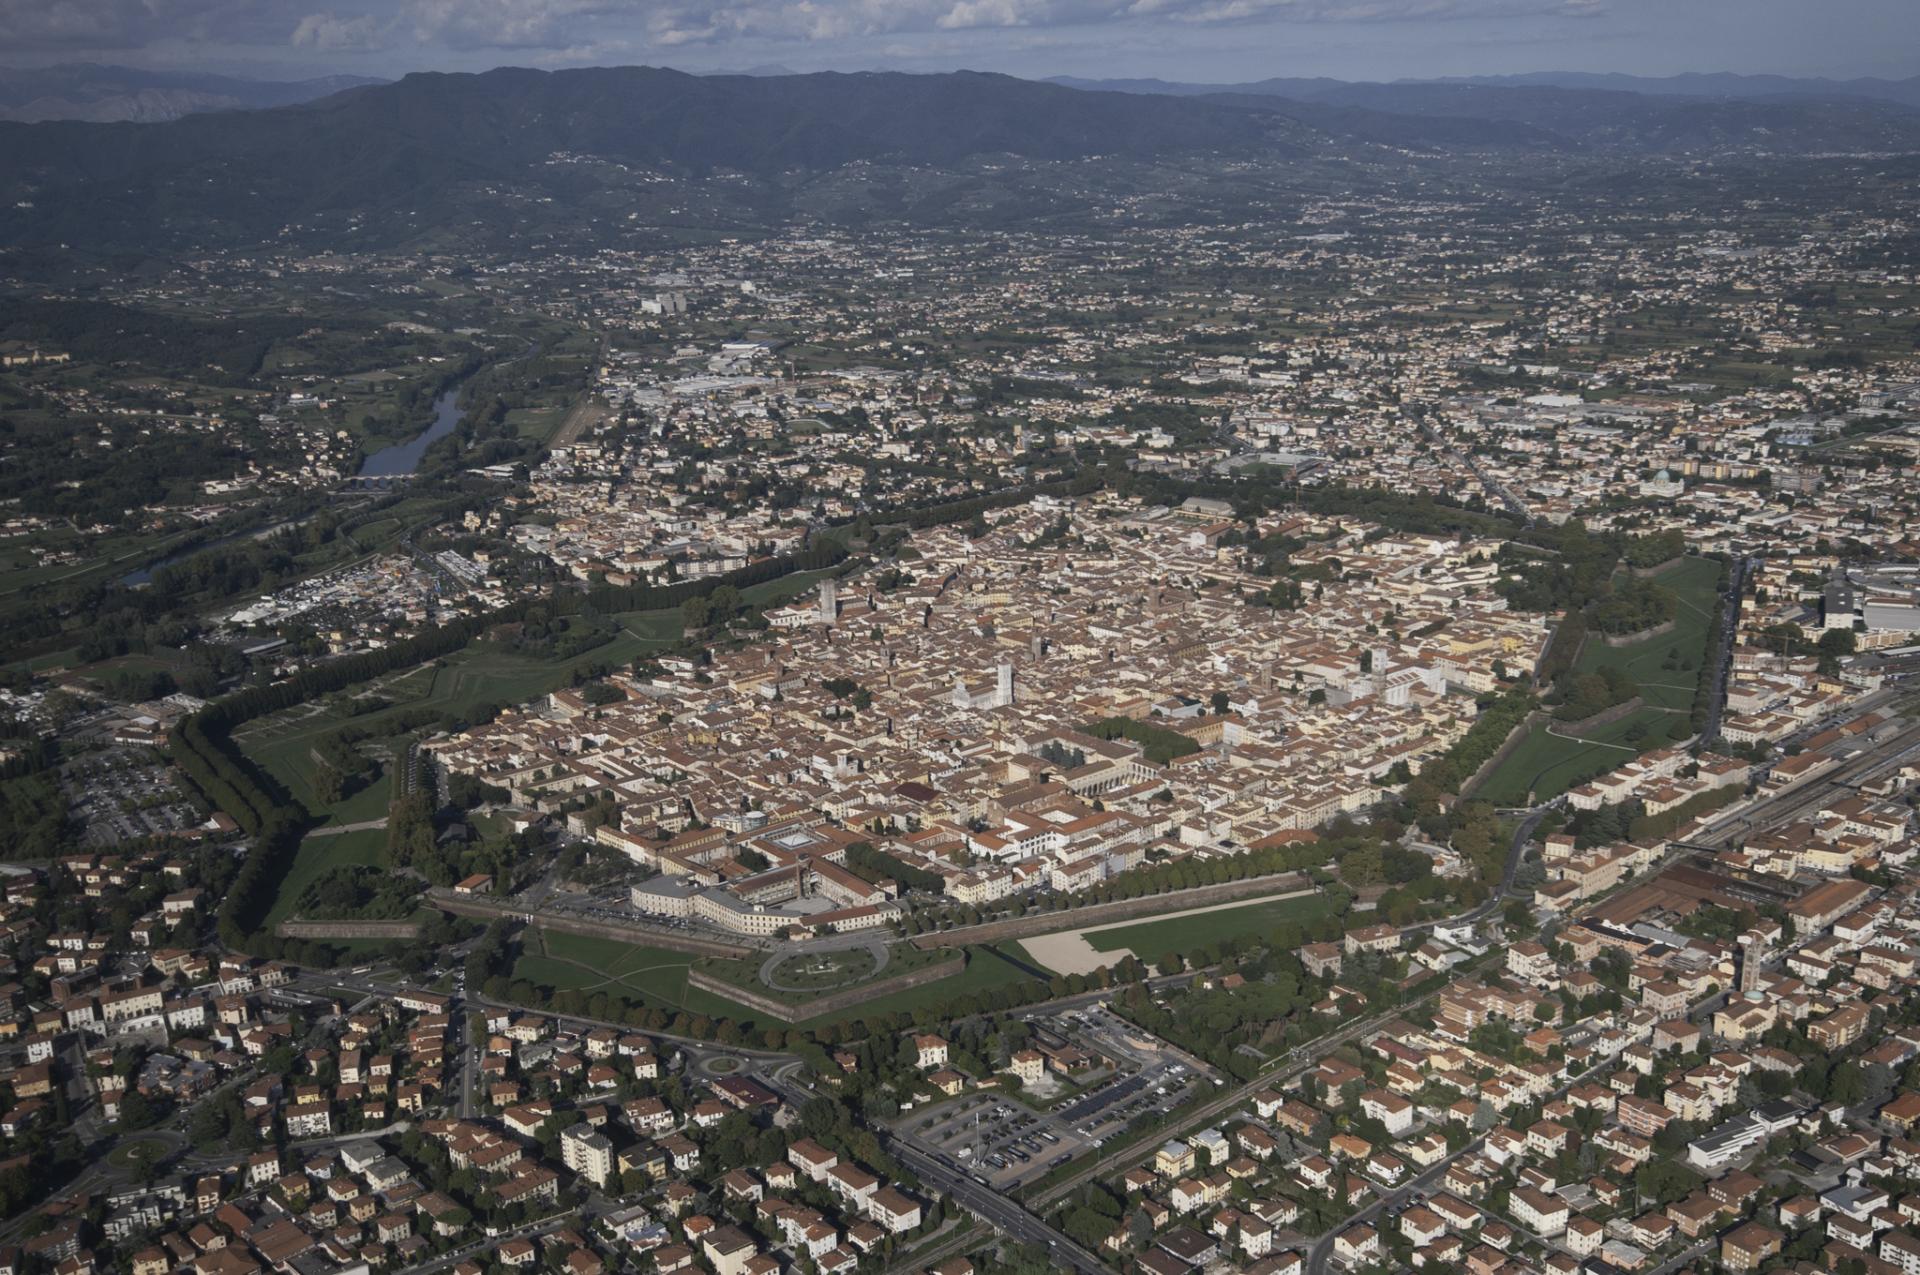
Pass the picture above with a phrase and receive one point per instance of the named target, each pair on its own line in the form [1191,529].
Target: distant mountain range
[521,152]
[1687,113]
[1693,84]
[422,151]
[110,94]
[1717,84]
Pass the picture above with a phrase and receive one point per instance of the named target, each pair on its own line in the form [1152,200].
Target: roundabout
[141,1150]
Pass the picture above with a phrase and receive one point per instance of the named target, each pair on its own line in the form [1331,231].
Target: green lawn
[772,593]
[282,744]
[1548,764]
[1150,940]
[366,803]
[632,970]
[319,854]
[654,626]
[659,976]
[986,969]
[1693,582]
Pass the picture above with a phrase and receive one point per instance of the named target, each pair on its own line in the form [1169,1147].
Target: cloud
[330,33]
[551,26]
[119,24]
[512,24]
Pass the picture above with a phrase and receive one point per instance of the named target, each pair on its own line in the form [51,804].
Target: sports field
[1083,950]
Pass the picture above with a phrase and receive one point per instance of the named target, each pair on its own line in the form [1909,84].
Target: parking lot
[1002,1142]
[123,794]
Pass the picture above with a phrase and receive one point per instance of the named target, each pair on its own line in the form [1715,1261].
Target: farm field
[1547,763]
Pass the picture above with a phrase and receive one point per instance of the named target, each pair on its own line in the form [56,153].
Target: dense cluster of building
[974,718]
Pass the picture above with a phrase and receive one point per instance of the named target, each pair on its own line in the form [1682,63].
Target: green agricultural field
[1548,763]
[1150,940]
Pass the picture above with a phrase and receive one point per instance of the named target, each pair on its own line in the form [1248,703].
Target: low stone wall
[1605,717]
[1149,905]
[1514,739]
[832,1002]
[1642,573]
[487,909]
[297,929]
[1639,635]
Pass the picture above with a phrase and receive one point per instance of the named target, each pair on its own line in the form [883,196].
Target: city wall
[1641,573]
[1638,635]
[1514,739]
[1150,905]
[483,908]
[1605,717]
[297,929]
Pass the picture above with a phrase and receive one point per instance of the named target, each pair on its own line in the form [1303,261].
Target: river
[404,458]
[389,462]
[144,575]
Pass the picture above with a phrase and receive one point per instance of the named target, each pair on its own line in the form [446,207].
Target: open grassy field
[658,976]
[1150,940]
[632,970]
[1693,581]
[987,968]
[1548,763]
[460,684]
[770,593]
[317,855]
[665,626]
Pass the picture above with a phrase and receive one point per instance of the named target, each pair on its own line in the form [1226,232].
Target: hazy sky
[1206,40]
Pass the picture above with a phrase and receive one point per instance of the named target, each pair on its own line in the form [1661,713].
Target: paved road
[1301,1057]
[1322,1252]
[1004,1215]
[1499,490]
[1007,1216]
